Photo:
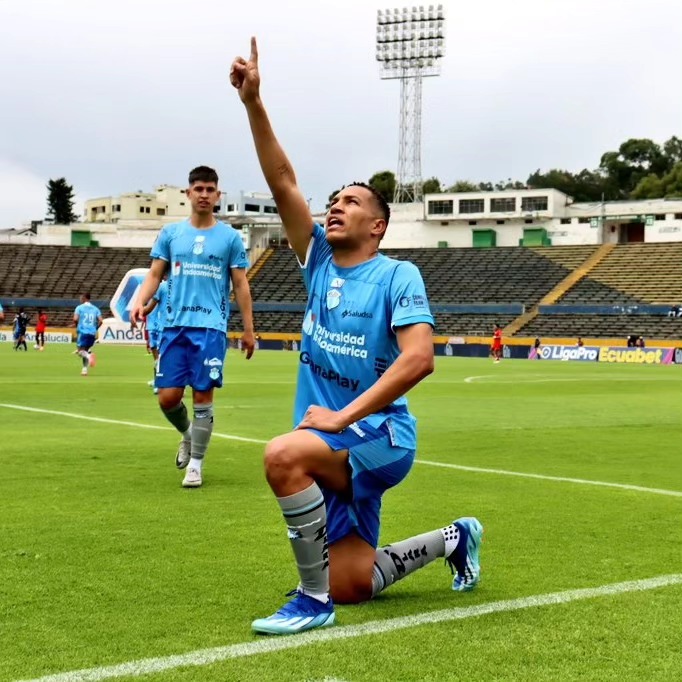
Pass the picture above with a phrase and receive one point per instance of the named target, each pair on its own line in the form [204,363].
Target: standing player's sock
[177,416]
[394,562]
[202,428]
[306,516]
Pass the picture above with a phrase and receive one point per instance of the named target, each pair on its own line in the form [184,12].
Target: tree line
[639,169]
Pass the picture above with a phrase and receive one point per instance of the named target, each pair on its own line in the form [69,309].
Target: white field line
[561,479]
[102,420]
[460,467]
[148,666]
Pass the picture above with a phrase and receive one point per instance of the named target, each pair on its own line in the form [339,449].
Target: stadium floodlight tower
[410,43]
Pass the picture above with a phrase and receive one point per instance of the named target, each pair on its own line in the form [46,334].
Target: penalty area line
[559,479]
[202,657]
[460,467]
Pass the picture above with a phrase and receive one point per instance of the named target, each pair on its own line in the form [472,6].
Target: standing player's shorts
[191,356]
[86,341]
[154,337]
[377,465]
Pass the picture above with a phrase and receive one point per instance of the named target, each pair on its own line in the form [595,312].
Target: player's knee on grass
[350,587]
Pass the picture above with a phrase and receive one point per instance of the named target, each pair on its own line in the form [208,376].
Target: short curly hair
[383,204]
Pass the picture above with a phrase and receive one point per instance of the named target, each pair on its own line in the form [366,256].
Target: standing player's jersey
[157,317]
[349,328]
[2,310]
[21,323]
[497,337]
[41,323]
[199,272]
[88,314]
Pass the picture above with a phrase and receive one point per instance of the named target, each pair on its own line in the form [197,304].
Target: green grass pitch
[105,559]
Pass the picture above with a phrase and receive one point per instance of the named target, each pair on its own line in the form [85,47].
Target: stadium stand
[630,275]
[500,275]
[53,272]
[644,273]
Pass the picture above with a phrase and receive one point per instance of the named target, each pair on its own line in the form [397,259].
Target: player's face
[203,196]
[353,218]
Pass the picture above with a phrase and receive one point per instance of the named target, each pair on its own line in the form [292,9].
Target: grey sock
[86,362]
[177,416]
[394,562]
[202,428]
[306,516]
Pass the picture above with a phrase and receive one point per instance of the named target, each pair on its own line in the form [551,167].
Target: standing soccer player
[41,325]
[367,340]
[496,348]
[21,320]
[87,317]
[155,314]
[201,256]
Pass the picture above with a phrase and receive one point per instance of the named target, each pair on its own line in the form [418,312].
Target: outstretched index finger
[254,51]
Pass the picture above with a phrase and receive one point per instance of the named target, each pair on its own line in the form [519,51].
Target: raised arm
[291,204]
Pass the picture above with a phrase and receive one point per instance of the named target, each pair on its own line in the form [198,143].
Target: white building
[247,204]
[530,218]
[167,204]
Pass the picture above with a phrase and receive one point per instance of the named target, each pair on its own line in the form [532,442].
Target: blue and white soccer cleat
[464,560]
[300,614]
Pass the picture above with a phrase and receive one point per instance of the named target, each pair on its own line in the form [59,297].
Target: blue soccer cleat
[464,560]
[300,614]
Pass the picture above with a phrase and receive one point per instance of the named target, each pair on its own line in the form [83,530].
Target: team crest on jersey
[337,282]
[333,298]
[198,245]
[214,373]
[309,322]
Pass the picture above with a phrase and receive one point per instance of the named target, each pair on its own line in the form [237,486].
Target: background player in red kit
[41,324]
[496,348]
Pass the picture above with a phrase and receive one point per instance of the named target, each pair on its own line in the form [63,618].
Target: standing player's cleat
[463,560]
[183,454]
[300,614]
[192,478]
[150,382]
[92,360]
[84,372]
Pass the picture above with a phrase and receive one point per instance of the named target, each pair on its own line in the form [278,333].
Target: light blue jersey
[88,315]
[349,337]
[155,319]
[199,274]
[1,308]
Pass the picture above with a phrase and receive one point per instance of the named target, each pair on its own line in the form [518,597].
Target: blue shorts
[377,465]
[86,341]
[191,356]
[154,338]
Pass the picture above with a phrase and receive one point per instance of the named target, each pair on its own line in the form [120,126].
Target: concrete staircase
[560,289]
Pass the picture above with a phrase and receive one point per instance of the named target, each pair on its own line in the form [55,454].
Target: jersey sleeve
[409,304]
[318,251]
[238,257]
[161,248]
[77,310]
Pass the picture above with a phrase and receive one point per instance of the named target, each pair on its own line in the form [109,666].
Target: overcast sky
[123,95]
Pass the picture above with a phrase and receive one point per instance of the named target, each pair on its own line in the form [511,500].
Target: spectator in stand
[41,323]
[675,311]
[640,342]
[580,342]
